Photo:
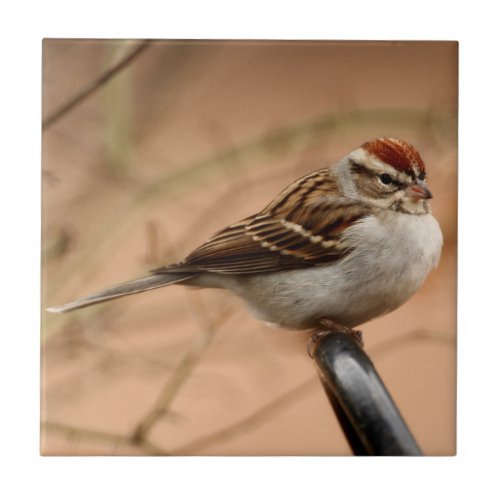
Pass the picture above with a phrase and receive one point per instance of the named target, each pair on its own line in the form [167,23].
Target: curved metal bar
[365,409]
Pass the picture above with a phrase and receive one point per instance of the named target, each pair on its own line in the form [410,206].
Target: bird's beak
[418,191]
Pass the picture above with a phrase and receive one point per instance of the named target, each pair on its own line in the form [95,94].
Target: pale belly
[387,266]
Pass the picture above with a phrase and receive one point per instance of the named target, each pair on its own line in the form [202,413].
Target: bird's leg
[331,326]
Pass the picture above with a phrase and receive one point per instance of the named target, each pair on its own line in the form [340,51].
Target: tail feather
[123,289]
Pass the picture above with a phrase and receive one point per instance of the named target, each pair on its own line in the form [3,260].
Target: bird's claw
[332,327]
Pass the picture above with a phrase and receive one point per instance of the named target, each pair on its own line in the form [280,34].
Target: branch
[87,91]
[262,415]
[254,420]
[180,375]
[73,432]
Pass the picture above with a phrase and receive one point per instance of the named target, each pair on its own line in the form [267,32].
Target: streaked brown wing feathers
[302,227]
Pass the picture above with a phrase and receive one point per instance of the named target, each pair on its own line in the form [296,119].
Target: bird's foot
[357,335]
[330,327]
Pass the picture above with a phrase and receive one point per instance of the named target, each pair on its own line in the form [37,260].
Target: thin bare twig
[257,418]
[250,422]
[401,340]
[179,377]
[182,371]
[262,415]
[88,90]
[74,432]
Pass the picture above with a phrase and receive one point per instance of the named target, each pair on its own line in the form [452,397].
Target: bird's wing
[304,226]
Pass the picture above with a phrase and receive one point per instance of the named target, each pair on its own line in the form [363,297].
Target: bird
[340,246]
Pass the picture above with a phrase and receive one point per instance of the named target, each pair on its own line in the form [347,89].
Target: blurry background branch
[181,373]
[139,436]
[94,85]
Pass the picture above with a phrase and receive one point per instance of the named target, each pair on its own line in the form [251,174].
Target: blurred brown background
[187,138]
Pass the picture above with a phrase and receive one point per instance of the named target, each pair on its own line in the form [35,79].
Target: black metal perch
[367,414]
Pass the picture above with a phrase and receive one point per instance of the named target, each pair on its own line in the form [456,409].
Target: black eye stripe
[389,180]
[362,170]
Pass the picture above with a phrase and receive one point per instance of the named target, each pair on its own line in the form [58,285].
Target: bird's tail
[127,288]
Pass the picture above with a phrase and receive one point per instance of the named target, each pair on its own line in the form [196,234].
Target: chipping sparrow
[344,244]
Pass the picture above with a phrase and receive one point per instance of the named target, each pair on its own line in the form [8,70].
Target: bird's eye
[386,179]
